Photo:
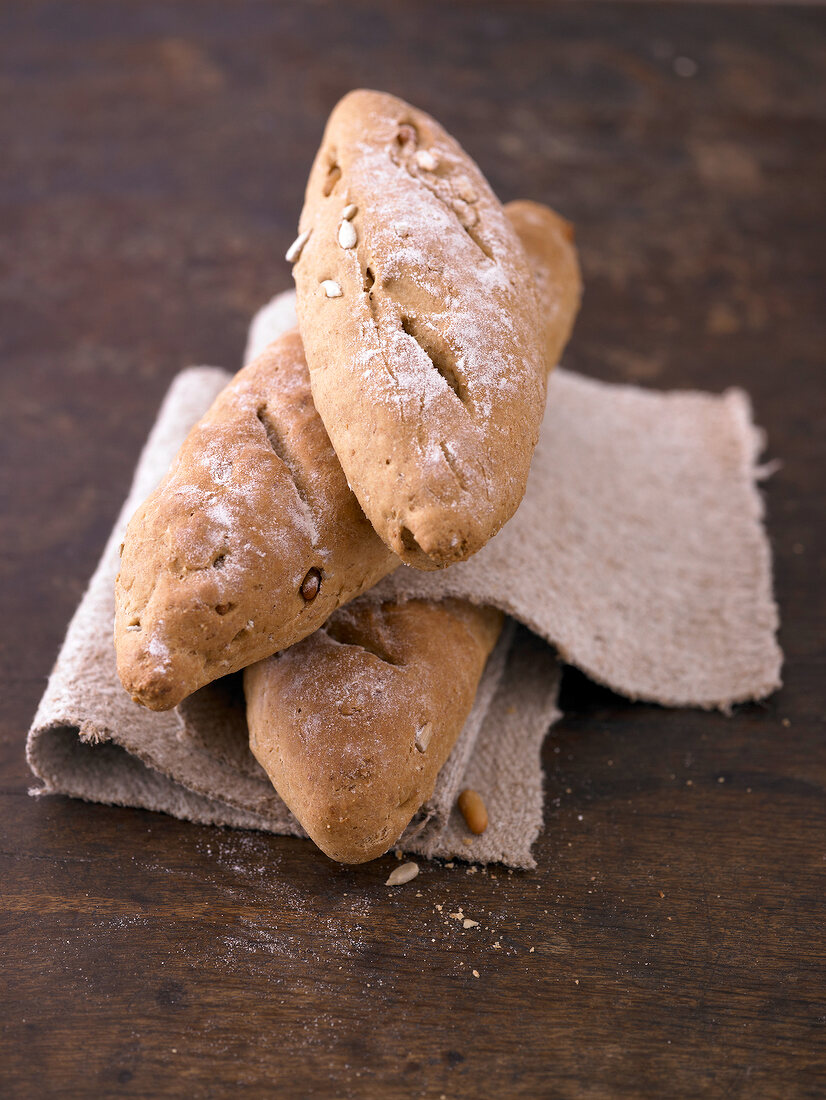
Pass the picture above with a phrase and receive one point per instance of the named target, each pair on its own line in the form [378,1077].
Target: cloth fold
[638,552]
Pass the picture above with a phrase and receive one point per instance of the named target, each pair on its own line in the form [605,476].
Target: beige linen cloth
[638,553]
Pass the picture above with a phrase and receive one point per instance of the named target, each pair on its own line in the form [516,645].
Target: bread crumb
[475,973]
[468,923]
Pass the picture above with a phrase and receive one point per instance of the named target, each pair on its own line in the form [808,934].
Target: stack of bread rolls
[395,425]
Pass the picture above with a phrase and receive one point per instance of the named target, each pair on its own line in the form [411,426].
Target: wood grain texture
[153,163]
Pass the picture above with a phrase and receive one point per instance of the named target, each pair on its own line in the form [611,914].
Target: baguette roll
[421,326]
[353,724]
[248,544]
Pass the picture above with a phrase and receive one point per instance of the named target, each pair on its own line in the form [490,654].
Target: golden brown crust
[214,561]
[335,720]
[426,363]
[548,240]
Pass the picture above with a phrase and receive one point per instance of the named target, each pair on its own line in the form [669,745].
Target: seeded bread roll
[353,724]
[421,327]
[248,544]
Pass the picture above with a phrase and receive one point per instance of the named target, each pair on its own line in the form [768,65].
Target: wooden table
[671,942]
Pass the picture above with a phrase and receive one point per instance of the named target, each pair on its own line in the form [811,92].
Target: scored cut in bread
[353,724]
[421,326]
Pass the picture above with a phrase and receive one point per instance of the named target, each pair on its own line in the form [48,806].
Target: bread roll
[421,326]
[248,544]
[353,724]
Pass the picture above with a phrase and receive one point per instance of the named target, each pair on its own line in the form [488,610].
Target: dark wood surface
[671,942]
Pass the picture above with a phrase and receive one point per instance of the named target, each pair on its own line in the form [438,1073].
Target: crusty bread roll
[421,326]
[548,240]
[353,724]
[248,544]
[214,561]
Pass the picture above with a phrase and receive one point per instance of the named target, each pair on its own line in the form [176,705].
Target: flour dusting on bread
[428,369]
